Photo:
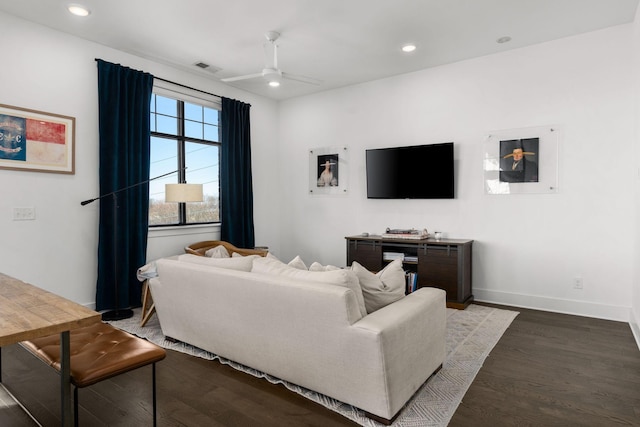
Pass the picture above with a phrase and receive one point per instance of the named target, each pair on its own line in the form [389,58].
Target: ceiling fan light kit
[78,10]
[271,73]
[408,48]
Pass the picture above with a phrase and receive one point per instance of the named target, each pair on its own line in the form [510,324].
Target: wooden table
[28,312]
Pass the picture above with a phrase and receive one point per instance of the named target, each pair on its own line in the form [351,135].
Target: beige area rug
[471,334]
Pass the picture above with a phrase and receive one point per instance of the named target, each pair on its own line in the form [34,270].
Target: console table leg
[65,379]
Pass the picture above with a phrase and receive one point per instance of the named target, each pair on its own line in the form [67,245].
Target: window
[184,134]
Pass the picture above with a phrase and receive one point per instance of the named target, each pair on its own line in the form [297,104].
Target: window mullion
[182,207]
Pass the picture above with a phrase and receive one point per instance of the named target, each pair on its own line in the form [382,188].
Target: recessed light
[409,48]
[274,84]
[78,10]
[504,39]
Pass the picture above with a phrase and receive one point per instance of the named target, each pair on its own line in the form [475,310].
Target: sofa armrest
[412,334]
[425,303]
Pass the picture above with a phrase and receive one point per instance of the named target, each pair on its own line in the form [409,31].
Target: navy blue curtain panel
[236,186]
[124,97]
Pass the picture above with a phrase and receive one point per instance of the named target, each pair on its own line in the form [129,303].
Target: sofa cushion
[316,266]
[232,263]
[298,263]
[217,252]
[383,288]
[341,277]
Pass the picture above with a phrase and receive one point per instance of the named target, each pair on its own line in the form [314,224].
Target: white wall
[53,72]
[635,312]
[584,84]
[528,248]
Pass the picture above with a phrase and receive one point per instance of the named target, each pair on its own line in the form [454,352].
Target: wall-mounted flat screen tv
[412,172]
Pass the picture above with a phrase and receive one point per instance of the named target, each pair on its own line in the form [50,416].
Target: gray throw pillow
[383,288]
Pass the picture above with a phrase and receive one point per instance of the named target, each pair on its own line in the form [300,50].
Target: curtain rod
[187,87]
[177,84]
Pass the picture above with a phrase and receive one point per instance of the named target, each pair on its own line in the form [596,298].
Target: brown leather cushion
[98,352]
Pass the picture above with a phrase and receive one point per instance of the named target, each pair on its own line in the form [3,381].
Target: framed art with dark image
[328,170]
[519,160]
[522,160]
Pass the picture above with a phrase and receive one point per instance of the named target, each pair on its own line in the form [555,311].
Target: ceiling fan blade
[303,79]
[271,72]
[247,77]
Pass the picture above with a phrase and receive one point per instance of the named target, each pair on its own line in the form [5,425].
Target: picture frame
[328,170]
[522,161]
[36,141]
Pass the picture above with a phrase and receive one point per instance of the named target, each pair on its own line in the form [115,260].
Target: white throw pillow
[232,263]
[383,288]
[217,252]
[340,277]
[316,266]
[269,265]
[298,263]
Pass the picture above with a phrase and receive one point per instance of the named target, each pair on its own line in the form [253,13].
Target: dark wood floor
[547,370]
[553,369]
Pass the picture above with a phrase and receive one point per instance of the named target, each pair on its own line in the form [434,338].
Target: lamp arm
[86,202]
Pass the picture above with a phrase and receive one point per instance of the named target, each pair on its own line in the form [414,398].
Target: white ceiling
[341,42]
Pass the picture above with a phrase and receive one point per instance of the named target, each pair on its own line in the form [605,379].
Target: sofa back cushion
[232,263]
[344,278]
[217,252]
[316,266]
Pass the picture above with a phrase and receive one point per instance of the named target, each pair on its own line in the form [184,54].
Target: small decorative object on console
[406,234]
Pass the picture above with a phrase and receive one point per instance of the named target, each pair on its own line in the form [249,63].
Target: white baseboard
[565,306]
[634,322]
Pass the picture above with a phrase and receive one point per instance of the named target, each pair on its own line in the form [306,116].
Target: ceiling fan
[271,72]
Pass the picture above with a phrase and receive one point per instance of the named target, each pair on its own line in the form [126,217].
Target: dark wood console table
[444,264]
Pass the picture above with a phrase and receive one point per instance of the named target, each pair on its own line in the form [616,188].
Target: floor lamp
[179,193]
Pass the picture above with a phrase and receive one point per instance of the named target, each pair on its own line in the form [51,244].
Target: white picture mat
[548,136]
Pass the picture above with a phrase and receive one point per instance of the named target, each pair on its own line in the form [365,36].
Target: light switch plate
[24,214]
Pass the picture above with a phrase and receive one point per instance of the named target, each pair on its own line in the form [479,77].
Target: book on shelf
[401,231]
[412,281]
[405,236]
[411,258]
[392,256]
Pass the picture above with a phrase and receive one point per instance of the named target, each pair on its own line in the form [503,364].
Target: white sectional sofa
[308,328]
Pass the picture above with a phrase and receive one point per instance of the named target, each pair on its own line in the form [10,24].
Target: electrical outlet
[24,214]
[577,283]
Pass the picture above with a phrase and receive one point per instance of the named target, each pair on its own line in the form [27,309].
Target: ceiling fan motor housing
[271,73]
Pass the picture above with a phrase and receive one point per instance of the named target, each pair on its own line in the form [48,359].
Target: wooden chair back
[200,248]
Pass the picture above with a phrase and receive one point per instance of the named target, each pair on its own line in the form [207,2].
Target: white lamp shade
[182,193]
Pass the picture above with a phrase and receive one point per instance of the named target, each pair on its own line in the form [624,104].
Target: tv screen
[413,172]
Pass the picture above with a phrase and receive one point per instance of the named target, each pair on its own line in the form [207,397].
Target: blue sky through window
[201,159]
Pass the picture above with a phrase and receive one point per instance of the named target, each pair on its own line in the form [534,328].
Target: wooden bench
[98,352]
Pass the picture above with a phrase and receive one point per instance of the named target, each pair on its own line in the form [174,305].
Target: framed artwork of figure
[522,161]
[519,160]
[328,170]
